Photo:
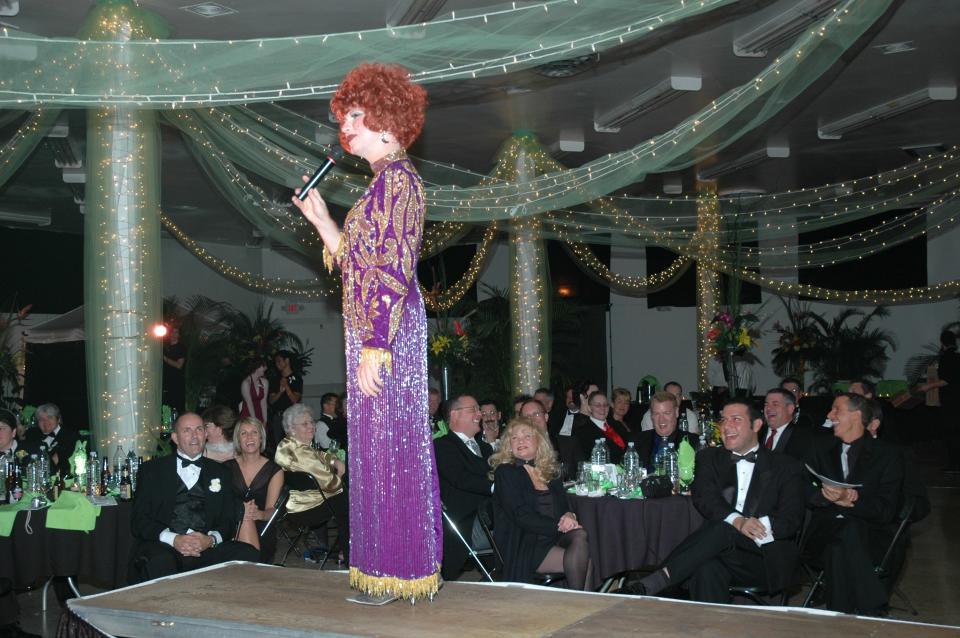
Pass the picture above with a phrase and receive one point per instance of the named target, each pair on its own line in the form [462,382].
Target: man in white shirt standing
[753,503]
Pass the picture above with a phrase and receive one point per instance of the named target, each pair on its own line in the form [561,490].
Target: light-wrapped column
[707,241]
[122,292]
[529,289]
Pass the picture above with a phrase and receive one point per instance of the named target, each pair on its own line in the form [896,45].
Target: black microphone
[335,156]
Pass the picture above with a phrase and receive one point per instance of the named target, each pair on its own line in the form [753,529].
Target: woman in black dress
[258,481]
[533,526]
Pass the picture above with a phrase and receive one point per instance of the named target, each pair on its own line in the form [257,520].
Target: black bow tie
[185,462]
[749,457]
[521,462]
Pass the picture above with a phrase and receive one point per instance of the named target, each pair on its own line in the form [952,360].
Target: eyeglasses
[472,408]
[489,413]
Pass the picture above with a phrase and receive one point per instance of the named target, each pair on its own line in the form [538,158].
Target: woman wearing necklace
[395,517]
[218,422]
[535,530]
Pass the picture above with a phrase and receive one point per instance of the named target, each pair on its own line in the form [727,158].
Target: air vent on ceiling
[209,9]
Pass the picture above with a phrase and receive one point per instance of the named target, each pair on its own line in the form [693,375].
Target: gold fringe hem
[402,588]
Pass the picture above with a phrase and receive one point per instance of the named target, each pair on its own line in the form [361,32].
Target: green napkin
[8,513]
[442,429]
[686,459]
[74,512]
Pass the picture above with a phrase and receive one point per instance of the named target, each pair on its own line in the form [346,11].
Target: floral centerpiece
[797,343]
[449,345]
[732,333]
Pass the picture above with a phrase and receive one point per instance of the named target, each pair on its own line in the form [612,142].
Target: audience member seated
[296,454]
[186,512]
[254,389]
[535,530]
[619,409]
[780,433]
[518,402]
[794,387]
[535,411]
[851,527]
[330,426]
[587,428]
[490,422]
[437,424]
[868,389]
[753,503]
[674,388]
[545,397]
[664,408]
[8,433]
[219,421]
[258,481]
[58,440]
[465,485]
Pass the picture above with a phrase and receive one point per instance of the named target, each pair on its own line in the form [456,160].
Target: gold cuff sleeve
[379,357]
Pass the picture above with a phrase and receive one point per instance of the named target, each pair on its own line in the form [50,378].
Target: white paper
[831,482]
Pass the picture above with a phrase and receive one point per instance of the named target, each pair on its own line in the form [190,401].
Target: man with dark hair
[850,527]
[545,397]
[534,410]
[186,511]
[794,386]
[948,383]
[779,433]
[518,402]
[465,484]
[868,389]
[336,427]
[490,422]
[753,503]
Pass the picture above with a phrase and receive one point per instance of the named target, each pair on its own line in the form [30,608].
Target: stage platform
[246,600]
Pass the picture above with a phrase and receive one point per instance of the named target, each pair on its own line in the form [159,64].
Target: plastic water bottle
[658,462]
[631,466]
[684,426]
[599,454]
[672,467]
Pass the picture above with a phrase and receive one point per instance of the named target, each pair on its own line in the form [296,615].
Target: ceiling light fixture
[407,12]
[750,159]
[653,98]
[886,110]
[782,28]
[209,9]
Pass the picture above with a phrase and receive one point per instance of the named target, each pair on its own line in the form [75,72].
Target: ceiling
[469,120]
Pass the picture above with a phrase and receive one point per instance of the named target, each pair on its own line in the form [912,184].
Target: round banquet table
[632,534]
[98,557]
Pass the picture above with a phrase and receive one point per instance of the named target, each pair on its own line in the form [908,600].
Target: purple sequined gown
[395,520]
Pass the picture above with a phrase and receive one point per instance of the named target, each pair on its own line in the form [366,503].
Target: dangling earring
[384,139]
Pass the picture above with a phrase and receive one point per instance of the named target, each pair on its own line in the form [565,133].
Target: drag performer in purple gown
[395,519]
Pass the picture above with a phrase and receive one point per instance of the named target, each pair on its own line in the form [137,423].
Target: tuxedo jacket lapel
[784,440]
[758,482]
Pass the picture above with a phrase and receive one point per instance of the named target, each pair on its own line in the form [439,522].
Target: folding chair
[883,568]
[304,482]
[474,553]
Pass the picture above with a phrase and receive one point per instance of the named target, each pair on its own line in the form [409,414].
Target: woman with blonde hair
[536,532]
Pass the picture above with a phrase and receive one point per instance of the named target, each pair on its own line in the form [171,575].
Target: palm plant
[797,343]
[11,359]
[850,351]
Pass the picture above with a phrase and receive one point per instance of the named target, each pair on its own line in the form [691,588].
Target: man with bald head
[186,513]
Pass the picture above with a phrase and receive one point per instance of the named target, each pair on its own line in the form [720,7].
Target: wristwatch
[214,539]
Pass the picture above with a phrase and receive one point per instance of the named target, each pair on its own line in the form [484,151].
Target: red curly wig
[390,101]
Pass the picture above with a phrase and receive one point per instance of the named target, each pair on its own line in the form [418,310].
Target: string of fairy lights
[181,70]
[708,280]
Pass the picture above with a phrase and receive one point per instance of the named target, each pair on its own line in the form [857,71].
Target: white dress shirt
[744,476]
[776,435]
[189,474]
[567,428]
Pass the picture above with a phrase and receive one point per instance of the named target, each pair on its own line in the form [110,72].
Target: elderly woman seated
[295,453]
[536,532]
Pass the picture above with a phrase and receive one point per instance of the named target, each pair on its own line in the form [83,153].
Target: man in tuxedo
[186,513]
[868,389]
[50,433]
[850,527]
[780,433]
[665,410]
[753,503]
[329,425]
[793,386]
[674,388]
[593,425]
[465,484]
[490,422]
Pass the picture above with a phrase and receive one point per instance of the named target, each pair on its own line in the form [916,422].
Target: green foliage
[850,351]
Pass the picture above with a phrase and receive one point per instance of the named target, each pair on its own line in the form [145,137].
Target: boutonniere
[21,454]
[214,485]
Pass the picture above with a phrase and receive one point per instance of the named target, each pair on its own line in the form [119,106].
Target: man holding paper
[753,500]
[853,512]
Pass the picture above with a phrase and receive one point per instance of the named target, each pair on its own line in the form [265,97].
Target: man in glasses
[490,420]
[465,484]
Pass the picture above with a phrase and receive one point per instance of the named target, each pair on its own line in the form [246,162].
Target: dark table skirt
[628,535]
[98,557]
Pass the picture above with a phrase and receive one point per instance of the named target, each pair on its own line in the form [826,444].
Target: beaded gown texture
[396,528]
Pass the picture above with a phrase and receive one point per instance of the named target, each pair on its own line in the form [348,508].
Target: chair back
[279,506]
[300,481]
[904,520]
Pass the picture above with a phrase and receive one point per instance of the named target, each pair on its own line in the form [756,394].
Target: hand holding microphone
[336,154]
[308,200]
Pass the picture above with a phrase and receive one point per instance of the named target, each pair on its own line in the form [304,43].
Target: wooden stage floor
[245,600]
